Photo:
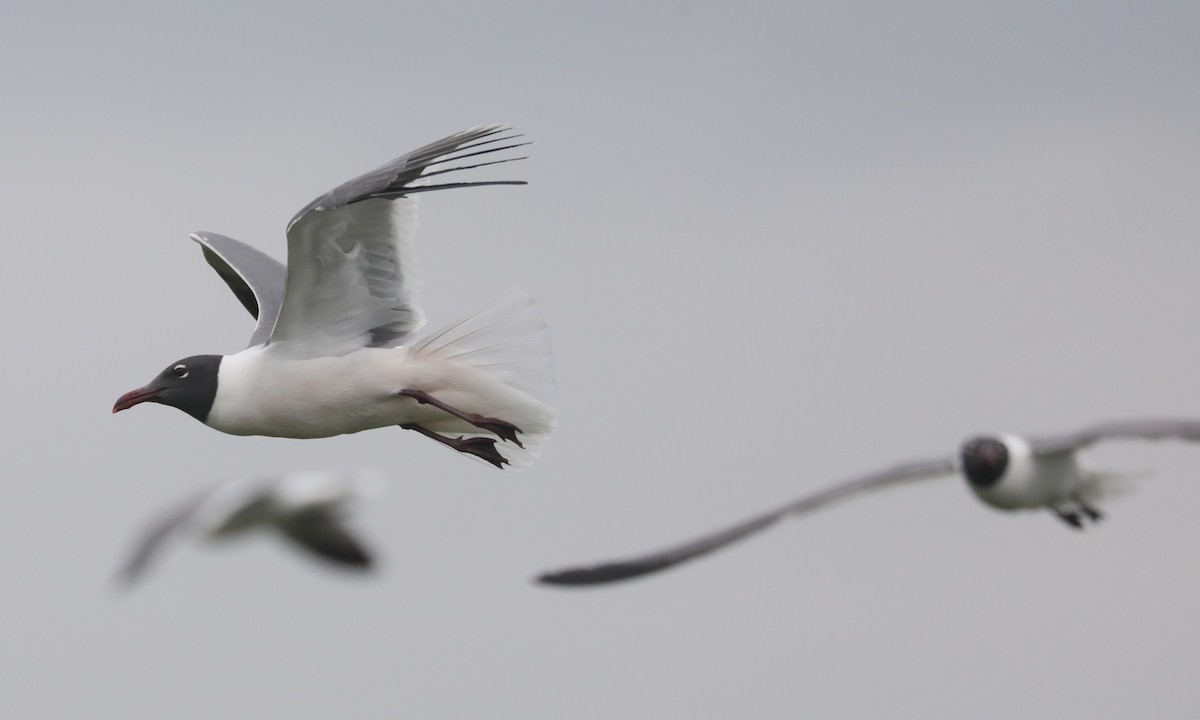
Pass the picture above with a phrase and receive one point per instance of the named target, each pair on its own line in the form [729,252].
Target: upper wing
[633,567]
[319,530]
[1160,429]
[350,280]
[157,534]
[254,277]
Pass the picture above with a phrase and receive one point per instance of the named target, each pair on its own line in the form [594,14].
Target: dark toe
[484,448]
[501,429]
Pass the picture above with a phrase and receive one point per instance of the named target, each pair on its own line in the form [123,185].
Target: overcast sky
[777,245]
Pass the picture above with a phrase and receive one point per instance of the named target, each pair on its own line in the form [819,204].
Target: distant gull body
[1006,472]
[332,352]
[307,508]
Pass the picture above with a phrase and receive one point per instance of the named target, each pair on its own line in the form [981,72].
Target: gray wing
[395,179]
[663,559]
[255,278]
[351,281]
[156,535]
[320,530]
[1148,429]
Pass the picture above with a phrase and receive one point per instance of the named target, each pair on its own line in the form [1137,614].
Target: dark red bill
[134,397]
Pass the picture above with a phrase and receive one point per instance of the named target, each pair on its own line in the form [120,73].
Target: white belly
[262,394]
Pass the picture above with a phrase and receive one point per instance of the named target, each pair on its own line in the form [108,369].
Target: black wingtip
[428,174]
[445,186]
[459,154]
[352,559]
[598,574]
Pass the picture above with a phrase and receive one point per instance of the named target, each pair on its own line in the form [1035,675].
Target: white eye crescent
[180,370]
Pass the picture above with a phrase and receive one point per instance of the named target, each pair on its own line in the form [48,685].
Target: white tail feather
[507,341]
[1107,484]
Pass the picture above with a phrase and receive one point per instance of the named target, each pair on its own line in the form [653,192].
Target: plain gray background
[777,245]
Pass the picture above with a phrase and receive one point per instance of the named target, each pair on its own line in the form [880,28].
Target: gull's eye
[180,370]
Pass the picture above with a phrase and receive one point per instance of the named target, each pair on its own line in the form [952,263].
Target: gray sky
[777,245]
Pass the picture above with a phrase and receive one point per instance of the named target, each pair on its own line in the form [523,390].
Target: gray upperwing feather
[653,562]
[255,278]
[320,531]
[1148,429]
[351,278]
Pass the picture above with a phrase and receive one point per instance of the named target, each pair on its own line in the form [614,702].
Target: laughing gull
[332,351]
[1006,472]
[307,508]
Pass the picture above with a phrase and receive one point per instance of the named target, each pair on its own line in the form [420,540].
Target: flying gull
[307,508]
[333,349]
[1007,472]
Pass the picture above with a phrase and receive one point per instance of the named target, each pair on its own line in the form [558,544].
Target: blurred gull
[326,357]
[307,508]
[1006,472]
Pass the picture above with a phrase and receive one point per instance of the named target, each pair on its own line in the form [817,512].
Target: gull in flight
[307,508]
[1007,472]
[333,349]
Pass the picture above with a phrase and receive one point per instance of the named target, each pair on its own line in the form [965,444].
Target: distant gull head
[983,460]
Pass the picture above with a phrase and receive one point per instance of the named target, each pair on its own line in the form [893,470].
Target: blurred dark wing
[634,567]
[254,277]
[1161,429]
[320,531]
[631,568]
[351,281]
[156,535]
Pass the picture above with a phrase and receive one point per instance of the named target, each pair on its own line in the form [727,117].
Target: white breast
[261,393]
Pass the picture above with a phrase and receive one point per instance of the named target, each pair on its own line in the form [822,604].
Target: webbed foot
[481,447]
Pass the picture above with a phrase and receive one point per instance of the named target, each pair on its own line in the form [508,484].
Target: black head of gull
[984,460]
[189,384]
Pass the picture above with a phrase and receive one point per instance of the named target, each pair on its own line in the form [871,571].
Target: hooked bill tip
[133,397]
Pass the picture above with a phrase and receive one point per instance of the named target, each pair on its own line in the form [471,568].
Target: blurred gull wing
[149,545]
[631,568]
[254,277]
[1149,429]
[320,530]
[308,507]
[351,280]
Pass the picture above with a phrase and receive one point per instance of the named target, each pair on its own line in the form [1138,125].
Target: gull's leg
[503,430]
[1069,516]
[484,448]
[1092,513]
